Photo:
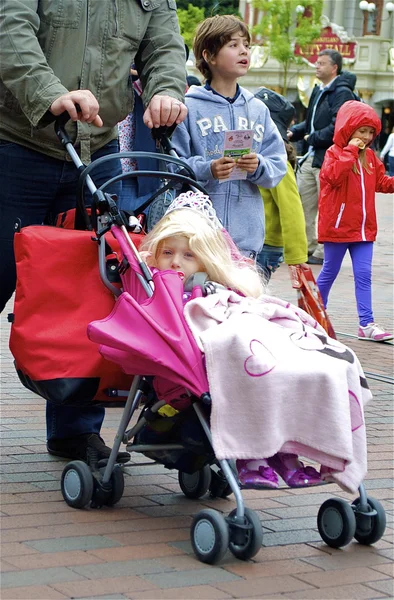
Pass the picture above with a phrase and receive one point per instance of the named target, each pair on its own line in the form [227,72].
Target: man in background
[317,131]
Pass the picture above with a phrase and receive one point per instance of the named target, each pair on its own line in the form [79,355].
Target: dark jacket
[339,92]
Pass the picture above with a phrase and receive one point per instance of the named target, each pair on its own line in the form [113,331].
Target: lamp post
[373,27]
[366,6]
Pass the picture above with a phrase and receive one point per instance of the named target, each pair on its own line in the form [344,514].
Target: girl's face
[232,59]
[174,254]
[365,134]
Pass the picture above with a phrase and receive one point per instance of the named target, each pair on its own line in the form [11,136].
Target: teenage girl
[349,178]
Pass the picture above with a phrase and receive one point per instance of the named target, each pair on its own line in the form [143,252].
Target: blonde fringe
[209,246]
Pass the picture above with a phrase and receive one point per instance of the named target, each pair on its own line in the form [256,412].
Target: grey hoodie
[200,139]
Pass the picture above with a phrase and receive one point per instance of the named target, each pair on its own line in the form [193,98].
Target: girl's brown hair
[211,35]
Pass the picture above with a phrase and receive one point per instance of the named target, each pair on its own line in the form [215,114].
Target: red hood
[351,116]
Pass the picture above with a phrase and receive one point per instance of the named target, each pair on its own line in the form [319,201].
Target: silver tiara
[196,201]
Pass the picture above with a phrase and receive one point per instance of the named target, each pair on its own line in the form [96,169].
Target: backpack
[281,109]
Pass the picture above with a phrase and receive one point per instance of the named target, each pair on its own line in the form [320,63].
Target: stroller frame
[211,533]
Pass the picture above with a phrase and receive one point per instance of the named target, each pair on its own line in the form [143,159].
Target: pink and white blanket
[279,383]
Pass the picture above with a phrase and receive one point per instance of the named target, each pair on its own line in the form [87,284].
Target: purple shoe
[293,471]
[261,479]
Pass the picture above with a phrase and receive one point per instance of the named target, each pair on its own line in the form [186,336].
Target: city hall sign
[331,37]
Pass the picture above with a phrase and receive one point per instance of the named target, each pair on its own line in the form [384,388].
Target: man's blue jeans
[34,188]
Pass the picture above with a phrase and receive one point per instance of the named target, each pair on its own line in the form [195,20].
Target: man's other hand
[164,111]
[89,107]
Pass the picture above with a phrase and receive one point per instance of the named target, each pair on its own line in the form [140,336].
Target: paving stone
[263,586]
[386,586]
[31,592]
[140,551]
[279,538]
[198,592]
[38,577]
[56,559]
[120,568]
[207,575]
[106,597]
[73,543]
[342,576]
[89,588]
[343,592]
[343,560]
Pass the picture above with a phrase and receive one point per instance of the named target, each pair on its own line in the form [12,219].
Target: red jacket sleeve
[338,162]
[384,183]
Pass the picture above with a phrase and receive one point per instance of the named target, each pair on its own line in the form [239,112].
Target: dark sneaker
[89,447]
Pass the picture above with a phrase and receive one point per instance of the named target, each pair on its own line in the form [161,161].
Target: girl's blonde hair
[210,247]
[362,157]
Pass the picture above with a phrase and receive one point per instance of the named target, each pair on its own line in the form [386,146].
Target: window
[373,20]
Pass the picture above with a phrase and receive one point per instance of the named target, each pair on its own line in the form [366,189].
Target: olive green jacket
[50,47]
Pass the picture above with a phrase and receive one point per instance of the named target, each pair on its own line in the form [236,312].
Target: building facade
[373,32]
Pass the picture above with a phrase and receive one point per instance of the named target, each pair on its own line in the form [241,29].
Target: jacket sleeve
[384,183]
[323,138]
[272,157]
[292,219]
[161,58]
[298,131]
[388,145]
[337,166]
[23,67]
[182,144]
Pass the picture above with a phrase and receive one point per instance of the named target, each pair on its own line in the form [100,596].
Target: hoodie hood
[347,78]
[351,116]
[201,93]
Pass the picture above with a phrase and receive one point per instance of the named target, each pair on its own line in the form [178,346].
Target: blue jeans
[34,187]
[361,255]
[391,166]
[270,259]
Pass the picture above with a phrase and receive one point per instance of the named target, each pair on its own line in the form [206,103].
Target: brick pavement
[141,549]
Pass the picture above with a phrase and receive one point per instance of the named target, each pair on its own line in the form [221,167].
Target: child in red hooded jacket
[350,176]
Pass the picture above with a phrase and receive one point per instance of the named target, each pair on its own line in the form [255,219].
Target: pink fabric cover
[279,383]
[149,336]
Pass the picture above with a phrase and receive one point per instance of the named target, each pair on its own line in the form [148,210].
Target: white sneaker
[374,333]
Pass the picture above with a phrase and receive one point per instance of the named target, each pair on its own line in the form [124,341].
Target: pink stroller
[146,333]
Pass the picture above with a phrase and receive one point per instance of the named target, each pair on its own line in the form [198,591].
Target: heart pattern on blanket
[261,361]
[356,413]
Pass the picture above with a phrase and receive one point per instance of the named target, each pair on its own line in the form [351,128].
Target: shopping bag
[59,292]
[309,298]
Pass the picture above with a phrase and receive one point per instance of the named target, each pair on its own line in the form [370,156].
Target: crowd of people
[56,59]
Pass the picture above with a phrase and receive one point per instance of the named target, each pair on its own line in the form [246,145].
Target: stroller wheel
[195,485]
[336,522]
[369,529]
[77,484]
[246,539]
[209,536]
[117,485]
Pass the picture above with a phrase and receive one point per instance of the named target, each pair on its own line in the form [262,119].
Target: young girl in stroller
[189,239]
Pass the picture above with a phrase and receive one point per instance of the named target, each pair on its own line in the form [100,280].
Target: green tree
[282,26]
[212,7]
[188,21]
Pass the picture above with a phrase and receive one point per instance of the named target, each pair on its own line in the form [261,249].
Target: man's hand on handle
[164,111]
[89,107]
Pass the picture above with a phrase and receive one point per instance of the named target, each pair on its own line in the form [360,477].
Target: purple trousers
[361,255]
